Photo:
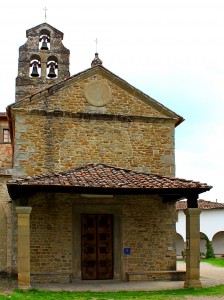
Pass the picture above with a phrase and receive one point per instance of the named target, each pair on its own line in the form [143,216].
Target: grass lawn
[155,295]
[218,262]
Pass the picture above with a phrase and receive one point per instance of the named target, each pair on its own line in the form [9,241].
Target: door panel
[97,246]
[105,246]
[88,246]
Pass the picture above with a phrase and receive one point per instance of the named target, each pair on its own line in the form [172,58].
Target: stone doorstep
[156,276]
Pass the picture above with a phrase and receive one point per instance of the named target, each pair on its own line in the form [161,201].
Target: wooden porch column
[192,248]
[23,213]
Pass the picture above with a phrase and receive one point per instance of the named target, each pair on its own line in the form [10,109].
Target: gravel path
[210,275]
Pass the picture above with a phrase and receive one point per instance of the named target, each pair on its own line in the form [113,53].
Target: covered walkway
[210,276]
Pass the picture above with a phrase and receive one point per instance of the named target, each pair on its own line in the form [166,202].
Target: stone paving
[210,276]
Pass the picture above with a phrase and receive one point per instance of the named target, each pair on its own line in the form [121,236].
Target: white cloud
[200,158]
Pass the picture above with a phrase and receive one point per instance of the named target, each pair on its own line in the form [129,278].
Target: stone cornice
[96,116]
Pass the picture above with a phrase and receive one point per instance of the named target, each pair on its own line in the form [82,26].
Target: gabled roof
[43,25]
[99,69]
[203,204]
[97,176]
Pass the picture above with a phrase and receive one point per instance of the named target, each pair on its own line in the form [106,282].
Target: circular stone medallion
[97,93]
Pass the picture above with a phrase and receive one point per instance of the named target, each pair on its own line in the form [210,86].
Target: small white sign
[169,248]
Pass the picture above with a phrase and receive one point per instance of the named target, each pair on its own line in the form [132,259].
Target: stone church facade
[92,194]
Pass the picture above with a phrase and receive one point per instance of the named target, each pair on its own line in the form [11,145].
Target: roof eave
[168,194]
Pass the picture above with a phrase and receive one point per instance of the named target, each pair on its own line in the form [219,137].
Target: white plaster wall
[181,224]
[211,222]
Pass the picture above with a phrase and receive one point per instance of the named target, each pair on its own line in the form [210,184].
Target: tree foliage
[209,248]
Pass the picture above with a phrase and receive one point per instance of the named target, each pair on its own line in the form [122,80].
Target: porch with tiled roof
[101,179]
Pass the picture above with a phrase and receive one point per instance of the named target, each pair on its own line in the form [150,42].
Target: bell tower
[43,60]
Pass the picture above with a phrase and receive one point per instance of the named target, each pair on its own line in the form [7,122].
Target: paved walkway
[210,276]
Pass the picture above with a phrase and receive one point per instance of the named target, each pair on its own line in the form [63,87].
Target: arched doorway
[218,243]
[179,245]
[203,238]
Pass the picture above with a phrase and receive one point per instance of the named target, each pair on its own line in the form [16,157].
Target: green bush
[209,248]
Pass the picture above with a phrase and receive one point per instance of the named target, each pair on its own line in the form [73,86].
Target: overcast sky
[172,50]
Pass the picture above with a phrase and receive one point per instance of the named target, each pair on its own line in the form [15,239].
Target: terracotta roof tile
[104,176]
[3,116]
[180,205]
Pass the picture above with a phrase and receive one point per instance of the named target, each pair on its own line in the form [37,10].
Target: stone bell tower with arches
[43,60]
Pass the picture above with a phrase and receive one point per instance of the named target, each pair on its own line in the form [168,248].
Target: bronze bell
[44,45]
[52,66]
[44,40]
[35,69]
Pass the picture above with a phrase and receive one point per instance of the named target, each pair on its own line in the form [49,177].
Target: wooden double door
[97,246]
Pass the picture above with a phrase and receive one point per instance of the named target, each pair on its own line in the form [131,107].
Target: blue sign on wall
[127,251]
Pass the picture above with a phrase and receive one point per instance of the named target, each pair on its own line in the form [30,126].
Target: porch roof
[203,204]
[98,178]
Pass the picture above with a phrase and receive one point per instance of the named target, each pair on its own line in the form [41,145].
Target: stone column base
[192,284]
[24,287]
[24,281]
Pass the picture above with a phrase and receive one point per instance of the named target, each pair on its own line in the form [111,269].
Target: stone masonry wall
[51,235]
[54,144]
[5,226]
[5,156]
[147,227]
[149,230]
[54,135]
[3,239]
[5,206]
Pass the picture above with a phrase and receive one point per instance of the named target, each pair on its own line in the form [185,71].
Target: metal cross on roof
[96,41]
[45,14]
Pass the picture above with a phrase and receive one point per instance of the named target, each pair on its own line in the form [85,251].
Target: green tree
[209,248]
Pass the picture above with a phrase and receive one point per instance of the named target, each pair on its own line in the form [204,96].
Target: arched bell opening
[35,66]
[44,40]
[52,67]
